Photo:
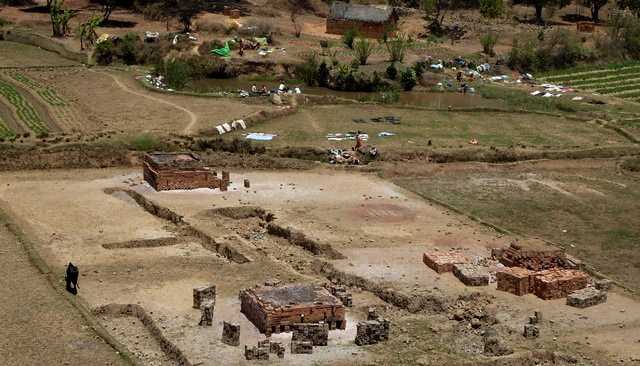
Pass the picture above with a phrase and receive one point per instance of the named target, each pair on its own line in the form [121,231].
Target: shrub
[397,47]
[307,71]
[419,68]
[144,142]
[623,37]
[323,74]
[127,48]
[488,42]
[631,164]
[203,67]
[104,53]
[349,37]
[392,72]
[559,50]
[408,79]
[491,8]
[363,48]
[176,74]
[390,96]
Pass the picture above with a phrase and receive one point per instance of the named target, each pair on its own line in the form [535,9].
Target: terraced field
[622,81]
[24,110]
[5,131]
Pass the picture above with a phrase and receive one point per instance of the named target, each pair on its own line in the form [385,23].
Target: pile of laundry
[551,90]
[347,136]
[235,125]
[260,136]
[157,82]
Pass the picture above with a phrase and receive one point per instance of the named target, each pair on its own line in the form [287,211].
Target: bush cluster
[558,50]
[131,50]
[179,71]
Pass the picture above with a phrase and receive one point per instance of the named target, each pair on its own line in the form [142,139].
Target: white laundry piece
[221,130]
[227,127]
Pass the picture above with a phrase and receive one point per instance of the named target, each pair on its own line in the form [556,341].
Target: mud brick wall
[370,30]
[515,280]
[372,332]
[558,283]
[162,180]
[535,260]
[442,262]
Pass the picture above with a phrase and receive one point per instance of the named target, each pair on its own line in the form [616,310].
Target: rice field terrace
[24,110]
[622,81]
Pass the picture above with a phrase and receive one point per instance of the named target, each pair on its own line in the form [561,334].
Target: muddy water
[417,98]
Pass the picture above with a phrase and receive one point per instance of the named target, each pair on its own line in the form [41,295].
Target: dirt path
[39,327]
[193,119]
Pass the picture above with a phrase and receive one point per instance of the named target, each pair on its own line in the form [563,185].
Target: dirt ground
[39,326]
[380,228]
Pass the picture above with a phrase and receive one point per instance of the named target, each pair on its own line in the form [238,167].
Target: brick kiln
[167,171]
[277,309]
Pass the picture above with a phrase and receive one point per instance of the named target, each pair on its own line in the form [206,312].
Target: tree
[60,17]
[184,11]
[595,6]
[109,5]
[539,5]
[87,31]
[491,8]
[397,47]
[363,48]
[434,12]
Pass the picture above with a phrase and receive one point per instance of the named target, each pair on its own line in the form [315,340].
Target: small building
[368,21]
[276,309]
[167,171]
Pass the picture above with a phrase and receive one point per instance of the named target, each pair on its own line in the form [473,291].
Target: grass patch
[145,142]
[631,164]
[518,99]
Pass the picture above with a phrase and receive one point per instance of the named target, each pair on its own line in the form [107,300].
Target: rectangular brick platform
[443,261]
[278,309]
[167,171]
[471,275]
[515,280]
[558,283]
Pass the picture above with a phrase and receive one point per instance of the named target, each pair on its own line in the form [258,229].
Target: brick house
[368,21]
[167,171]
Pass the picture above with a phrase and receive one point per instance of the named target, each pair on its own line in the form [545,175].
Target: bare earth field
[379,230]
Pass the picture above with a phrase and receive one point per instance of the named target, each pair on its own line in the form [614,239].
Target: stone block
[372,331]
[603,284]
[203,294]
[586,297]
[372,314]
[206,317]
[531,331]
[231,334]
[442,262]
[472,275]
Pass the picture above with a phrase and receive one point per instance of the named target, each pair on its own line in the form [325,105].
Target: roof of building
[364,13]
[295,295]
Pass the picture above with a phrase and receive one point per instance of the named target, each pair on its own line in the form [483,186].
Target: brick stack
[301,347]
[586,297]
[442,262]
[203,295]
[316,333]
[206,317]
[372,331]
[471,275]
[259,352]
[231,334]
[341,293]
[515,280]
[558,283]
[533,257]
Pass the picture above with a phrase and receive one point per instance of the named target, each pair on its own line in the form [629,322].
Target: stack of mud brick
[372,331]
[535,259]
[231,334]
[515,280]
[204,299]
[442,262]
[259,352]
[316,333]
[587,297]
[341,293]
[471,274]
[558,283]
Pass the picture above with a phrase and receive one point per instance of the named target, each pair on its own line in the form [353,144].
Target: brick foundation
[442,262]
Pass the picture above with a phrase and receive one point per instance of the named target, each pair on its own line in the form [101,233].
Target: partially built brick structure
[443,261]
[277,309]
[168,171]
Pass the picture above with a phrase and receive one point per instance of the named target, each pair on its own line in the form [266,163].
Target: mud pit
[379,230]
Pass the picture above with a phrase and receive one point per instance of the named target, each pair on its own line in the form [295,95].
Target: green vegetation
[5,131]
[491,8]
[24,110]
[397,47]
[47,94]
[518,99]
[558,50]
[145,142]
[349,37]
[631,164]
[363,48]
[408,79]
[488,42]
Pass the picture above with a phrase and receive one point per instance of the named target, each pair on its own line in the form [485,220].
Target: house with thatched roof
[368,21]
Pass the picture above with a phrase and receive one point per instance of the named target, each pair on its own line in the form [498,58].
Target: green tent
[222,52]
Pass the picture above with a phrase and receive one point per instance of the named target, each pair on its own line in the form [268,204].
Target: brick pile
[372,331]
[301,347]
[558,283]
[586,297]
[531,256]
[515,280]
[203,294]
[259,352]
[273,347]
[231,334]
[206,316]
[341,293]
[531,331]
[316,333]
[442,262]
[472,275]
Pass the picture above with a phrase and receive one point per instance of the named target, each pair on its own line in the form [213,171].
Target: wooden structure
[278,309]
[167,171]
[367,21]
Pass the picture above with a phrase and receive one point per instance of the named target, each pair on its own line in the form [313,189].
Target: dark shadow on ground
[574,18]
[114,23]
[39,9]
